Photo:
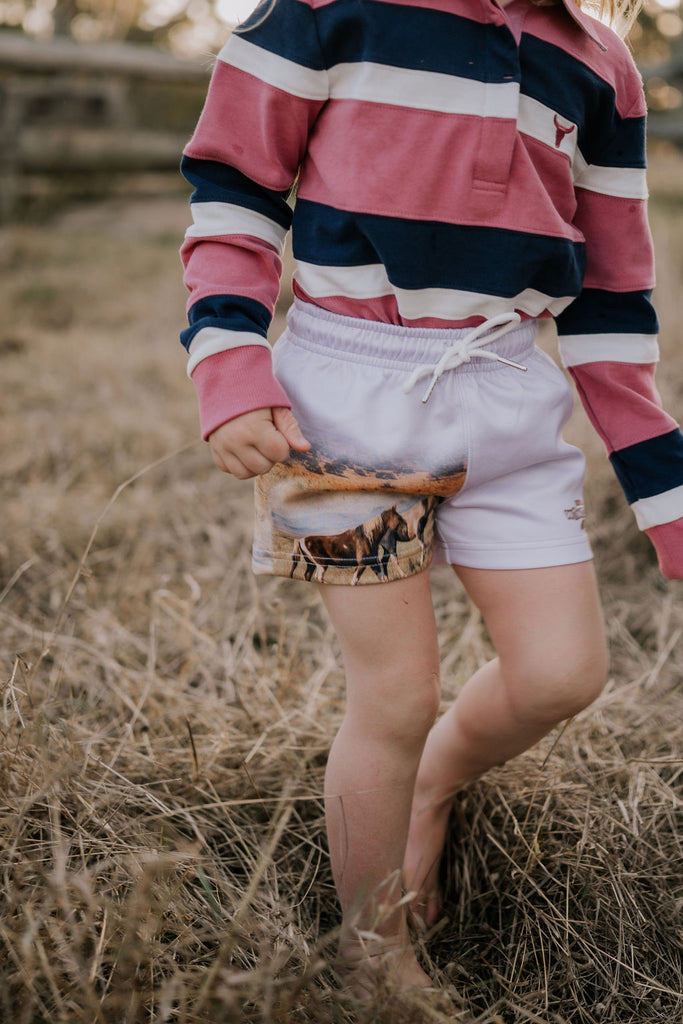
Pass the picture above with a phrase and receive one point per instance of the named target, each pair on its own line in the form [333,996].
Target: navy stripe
[600,312]
[430,254]
[286,28]
[650,467]
[568,86]
[350,31]
[419,39]
[229,312]
[216,182]
[329,237]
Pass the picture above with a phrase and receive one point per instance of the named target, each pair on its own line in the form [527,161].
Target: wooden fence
[80,118]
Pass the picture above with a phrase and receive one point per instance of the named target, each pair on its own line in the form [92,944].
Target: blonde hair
[620,15]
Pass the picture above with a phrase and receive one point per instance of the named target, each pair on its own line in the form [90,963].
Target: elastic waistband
[380,344]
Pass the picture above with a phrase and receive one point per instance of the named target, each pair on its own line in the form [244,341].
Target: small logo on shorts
[577,511]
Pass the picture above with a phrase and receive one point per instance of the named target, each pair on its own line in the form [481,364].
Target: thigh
[388,638]
[547,628]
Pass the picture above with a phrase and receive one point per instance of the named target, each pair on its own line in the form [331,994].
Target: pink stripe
[235,265]
[357,162]
[668,543]
[552,169]
[622,402]
[231,383]
[258,129]
[619,252]
[384,309]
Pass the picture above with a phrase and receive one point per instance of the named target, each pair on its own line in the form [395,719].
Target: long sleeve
[267,88]
[608,335]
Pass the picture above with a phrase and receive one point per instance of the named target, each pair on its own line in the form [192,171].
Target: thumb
[285,421]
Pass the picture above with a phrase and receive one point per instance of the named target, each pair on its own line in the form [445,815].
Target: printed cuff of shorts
[668,543]
[233,382]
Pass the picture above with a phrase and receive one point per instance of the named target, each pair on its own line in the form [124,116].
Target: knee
[550,693]
[402,710]
[425,704]
[407,721]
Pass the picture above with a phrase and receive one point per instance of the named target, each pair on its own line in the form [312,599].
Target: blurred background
[96,93]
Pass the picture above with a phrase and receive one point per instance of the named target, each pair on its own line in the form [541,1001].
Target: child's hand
[251,444]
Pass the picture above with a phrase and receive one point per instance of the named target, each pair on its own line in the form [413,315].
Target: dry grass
[165,716]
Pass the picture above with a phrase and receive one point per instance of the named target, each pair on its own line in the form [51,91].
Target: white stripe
[422,90]
[368,282]
[212,219]
[538,121]
[364,282]
[543,123]
[211,340]
[577,349]
[275,70]
[375,83]
[659,509]
[621,182]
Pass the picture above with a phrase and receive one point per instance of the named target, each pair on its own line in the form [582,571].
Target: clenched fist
[251,444]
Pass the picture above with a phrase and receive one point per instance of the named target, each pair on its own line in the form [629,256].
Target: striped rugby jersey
[453,160]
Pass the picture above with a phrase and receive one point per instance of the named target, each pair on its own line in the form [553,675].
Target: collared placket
[498,130]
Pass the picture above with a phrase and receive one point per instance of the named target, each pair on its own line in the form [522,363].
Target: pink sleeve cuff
[668,543]
[230,383]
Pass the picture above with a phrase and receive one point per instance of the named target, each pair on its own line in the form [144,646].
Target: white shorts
[478,476]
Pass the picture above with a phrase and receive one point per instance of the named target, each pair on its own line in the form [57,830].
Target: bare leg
[388,638]
[547,628]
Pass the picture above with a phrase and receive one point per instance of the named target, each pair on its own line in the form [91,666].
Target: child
[463,169]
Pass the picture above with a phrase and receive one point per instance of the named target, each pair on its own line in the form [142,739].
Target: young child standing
[463,168]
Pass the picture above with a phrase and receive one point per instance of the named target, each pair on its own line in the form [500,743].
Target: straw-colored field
[165,716]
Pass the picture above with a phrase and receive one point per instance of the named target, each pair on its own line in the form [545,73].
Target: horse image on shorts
[370,545]
[419,518]
[350,501]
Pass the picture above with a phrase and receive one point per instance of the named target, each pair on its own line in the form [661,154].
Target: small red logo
[577,511]
[561,130]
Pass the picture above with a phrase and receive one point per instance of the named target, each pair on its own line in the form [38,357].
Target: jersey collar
[583,20]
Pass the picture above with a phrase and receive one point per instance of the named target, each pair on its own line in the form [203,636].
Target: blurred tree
[658,34]
[62,16]
[185,26]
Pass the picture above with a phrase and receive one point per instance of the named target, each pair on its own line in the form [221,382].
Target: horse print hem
[343,521]
[368,553]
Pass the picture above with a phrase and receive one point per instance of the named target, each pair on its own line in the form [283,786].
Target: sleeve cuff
[668,543]
[234,382]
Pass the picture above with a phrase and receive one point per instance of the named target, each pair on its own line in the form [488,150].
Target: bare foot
[426,838]
[367,962]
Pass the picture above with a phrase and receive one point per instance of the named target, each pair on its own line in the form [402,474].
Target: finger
[272,445]
[248,460]
[229,463]
[218,459]
[285,421]
[256,461]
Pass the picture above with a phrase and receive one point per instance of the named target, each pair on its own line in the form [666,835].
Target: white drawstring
[467,348]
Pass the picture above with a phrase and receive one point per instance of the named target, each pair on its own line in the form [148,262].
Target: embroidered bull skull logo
[561,130]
